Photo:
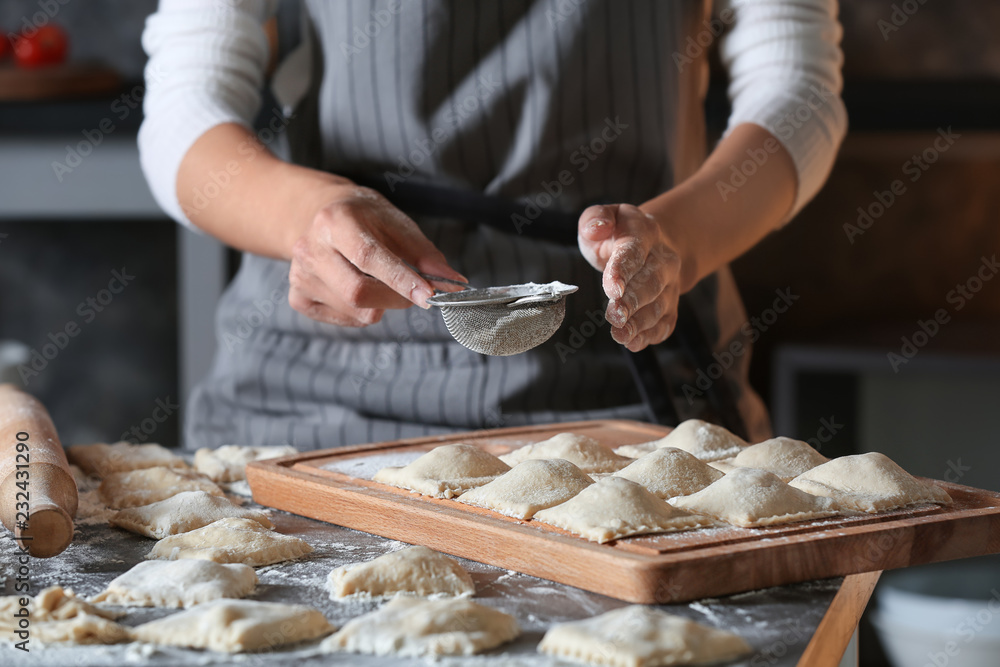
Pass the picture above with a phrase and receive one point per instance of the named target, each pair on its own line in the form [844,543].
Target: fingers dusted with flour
[641,271]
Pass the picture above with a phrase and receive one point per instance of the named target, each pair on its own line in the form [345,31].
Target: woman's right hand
[351,251]
[354,260]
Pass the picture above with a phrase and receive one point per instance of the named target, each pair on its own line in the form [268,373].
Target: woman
[540,109]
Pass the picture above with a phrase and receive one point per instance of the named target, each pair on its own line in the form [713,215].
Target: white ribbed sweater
[207,62]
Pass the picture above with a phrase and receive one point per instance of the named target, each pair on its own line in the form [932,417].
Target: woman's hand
[354,260]
[642,271]
[349,247]
[652,254]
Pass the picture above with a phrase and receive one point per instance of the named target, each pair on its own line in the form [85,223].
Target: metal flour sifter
[502,321]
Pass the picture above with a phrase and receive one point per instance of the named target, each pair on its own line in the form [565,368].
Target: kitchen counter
[802,624]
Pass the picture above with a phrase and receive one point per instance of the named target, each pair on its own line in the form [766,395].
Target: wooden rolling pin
[30,446]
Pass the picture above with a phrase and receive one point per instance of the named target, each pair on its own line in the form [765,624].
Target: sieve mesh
[503,321]
[501,330]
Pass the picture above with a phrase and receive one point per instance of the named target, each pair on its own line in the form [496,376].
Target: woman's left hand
[642,271]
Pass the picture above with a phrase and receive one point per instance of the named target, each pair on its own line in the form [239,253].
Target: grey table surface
[777,622]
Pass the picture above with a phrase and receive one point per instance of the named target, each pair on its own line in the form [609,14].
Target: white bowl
[907,646]
[939,615]
[949,598]
[943,615]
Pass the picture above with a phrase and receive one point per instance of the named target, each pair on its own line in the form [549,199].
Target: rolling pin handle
[35,481]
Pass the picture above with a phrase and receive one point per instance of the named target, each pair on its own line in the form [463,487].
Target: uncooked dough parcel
[416,570]
[178,583]
[231,540]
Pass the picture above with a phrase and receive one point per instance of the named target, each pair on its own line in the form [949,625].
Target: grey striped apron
[552,104]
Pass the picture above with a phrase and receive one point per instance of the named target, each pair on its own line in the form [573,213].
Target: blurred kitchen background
[823,366]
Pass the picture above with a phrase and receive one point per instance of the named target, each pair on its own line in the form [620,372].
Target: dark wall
[122,359]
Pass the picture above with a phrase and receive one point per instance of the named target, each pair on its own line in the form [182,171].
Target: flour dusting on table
[99,553]
[365,467]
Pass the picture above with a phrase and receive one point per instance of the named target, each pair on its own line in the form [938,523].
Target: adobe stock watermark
[786,128]
[362,36]
[882,544]
[47,10]
[793,635]
[248,150]
[898,17]
[424,148]
[580,333]
[120,109]
[58,340]
[955,471]
[915,167]
[966,630]
[260,312]
[223,9]
[667,591]
[696,44]
[957,298]
[493,418]
[751,331]
[389,353]
[629,622]
[828,428]
[164,409]
[581,158]
[596,319]
[561,11]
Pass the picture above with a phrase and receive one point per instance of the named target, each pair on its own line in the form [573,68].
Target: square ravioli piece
[182,513]
[530,486]
[614,507]
[704,441]
[748,498]
[869,483]
[233,626]
[102,459]
[669,472]
[228,463]
[151,485]
[178,583]
[57,615]
[231,540]
[415,570]
[584,452]
[445,472]
[414,627]
[639,636]
[785,457]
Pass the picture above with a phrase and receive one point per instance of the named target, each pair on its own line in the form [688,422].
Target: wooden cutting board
[645,569]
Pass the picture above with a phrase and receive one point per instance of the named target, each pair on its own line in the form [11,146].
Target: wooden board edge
[900,547]
[835,629]
[633,577]
[624,576]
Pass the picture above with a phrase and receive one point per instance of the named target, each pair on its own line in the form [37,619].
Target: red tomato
[45,46]
[3,47]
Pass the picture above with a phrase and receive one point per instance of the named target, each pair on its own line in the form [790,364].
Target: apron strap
[508,216]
